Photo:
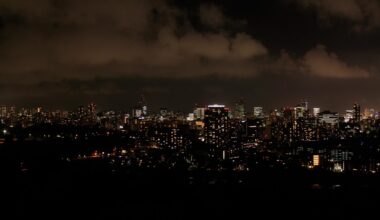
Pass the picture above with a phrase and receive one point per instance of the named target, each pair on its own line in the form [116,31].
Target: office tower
[216,125]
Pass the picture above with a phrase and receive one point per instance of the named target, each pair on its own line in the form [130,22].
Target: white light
[216,106]
[4,131]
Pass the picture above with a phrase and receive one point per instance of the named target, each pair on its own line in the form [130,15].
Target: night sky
[272,53]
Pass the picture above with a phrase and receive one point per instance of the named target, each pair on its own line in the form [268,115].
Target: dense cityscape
[288,154]
[211,137]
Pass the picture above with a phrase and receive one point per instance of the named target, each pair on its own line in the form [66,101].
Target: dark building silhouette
[356,109]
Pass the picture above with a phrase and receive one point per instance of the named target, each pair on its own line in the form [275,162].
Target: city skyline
[63,53]
[246,109]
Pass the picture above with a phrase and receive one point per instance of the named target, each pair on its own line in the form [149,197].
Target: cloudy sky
[272,53]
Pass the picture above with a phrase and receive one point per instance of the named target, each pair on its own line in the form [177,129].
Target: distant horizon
[156,110]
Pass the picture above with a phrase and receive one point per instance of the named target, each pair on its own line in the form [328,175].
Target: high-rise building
[305,105]
[199,113]
[258,112]
[356,109]
[239,110]
[143,105]
[316,111]
[167,135]
[299,112]
[3,111]
[216,125]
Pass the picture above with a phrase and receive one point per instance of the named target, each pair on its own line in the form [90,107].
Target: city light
[224,135]
[216,106]
[315,160]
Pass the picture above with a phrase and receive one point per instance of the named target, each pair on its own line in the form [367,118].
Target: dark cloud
[76,51]
[363,14]
[212,16]
[98,34]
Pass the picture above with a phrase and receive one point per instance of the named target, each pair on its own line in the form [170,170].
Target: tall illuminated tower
[216,125]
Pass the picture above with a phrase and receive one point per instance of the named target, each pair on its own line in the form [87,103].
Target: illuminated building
[305,129]
[216,126]
[167,135]
[143,105]
[199,113]
[356,111]
[299,112]
[190,117]
[326,117]
[253,130]
[258,112]
[340,159]
[141,109]
[316,160]
[349,115]
[369,113]
[316,111]
[3,111]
